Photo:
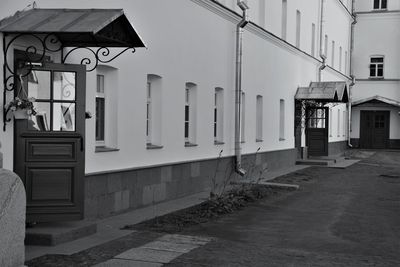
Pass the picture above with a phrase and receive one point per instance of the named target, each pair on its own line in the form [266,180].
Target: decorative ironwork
[40,46]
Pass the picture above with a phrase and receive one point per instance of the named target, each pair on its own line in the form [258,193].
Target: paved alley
[339,217]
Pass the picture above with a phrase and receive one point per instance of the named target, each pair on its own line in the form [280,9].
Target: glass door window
[54,93]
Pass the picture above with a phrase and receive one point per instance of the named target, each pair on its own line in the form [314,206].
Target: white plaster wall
[377,34]
[394,132]
[368,5]
[365,89]
[187,42]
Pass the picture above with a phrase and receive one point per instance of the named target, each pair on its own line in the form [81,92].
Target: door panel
[49,148]
[374,129]
[317,131]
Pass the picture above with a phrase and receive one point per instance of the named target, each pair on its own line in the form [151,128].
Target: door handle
[81,141]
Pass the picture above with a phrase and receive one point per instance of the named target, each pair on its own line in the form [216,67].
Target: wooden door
[374,129]
[317,131]
[49,147]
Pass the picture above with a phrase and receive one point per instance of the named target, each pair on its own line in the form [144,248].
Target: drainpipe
[238,85]
[321,42]
[353,78]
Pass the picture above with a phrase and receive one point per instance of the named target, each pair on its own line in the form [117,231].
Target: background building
[376,95]
[163,115]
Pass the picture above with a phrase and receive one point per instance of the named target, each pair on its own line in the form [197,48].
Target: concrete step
[54,233]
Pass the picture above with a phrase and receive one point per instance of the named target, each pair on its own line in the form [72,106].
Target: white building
[376,95]
[139,147]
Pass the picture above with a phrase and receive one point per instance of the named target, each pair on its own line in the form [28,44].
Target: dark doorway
[317,131]
[49,147]
[374,129]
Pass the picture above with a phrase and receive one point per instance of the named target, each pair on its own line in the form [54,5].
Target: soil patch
[215,207]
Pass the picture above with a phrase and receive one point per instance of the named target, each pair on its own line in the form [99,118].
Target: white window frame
[284,20]
[376,66]
[218,129]
[148,112]
[333,55]
[313,39]
[259,118]
[281,119]
[298,28]
[187,119]
[101,94]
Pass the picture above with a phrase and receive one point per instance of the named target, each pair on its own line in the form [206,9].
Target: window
[281,119]
[153,111]
[380,4]
[106,108]
[340,58]
[284,19]
[326,46]
[330,122]
[243,118]
[333,54]
[100,110]
[262,10]
[298,28]
[313,39]
[376,67]
[259,118]
[344,123]
[345,62]
[148,113]
[218,115]
[338,123]
[190,114]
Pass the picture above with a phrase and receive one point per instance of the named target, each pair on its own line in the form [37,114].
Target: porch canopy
[76,27]
[376,99]
[324,92]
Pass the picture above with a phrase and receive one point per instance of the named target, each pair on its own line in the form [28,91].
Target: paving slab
[171,246]
[149,255]
[184,239]
[127,263]
[343,164]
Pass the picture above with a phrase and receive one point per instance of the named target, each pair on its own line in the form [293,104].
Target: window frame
[376,66]
[100,95]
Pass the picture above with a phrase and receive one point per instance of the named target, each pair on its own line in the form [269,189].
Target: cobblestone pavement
[338,217]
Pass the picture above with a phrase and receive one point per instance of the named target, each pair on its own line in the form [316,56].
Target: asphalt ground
[338,217]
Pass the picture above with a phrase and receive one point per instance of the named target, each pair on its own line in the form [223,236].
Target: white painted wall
[185,42]
[368,5]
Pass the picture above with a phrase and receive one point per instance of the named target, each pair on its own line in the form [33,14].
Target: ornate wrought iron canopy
[65,31]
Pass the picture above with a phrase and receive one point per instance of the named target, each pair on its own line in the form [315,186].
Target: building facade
[376,95]
[163,121]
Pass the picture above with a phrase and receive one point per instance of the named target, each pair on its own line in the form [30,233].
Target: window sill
[100,149]
[151,146]
[219,143]
[376,78]
[259,140]
[188,144]
[282,139]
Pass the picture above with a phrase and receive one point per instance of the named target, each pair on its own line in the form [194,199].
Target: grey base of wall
[115,192]
[393,143]
[337,148]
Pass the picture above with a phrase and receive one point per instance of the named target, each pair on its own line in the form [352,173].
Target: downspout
[238,85]
[353,78]
[321,42]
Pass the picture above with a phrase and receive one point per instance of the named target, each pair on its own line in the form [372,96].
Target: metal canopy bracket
[54,30]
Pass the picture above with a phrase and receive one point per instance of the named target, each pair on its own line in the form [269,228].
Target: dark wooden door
[317,131]
[49,147]
[374,129]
